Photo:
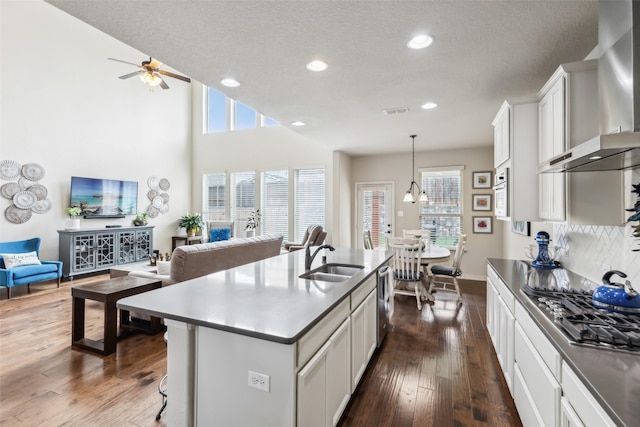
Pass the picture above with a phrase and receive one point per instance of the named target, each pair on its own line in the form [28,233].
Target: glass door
[374,213]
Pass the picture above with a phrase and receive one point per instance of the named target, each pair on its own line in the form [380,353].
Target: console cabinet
[90,250]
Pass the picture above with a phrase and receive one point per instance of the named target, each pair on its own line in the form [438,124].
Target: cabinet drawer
[505,293]
[362,291]
[320,333]
[527,411]
[544,348]
[541,384]
[582,402]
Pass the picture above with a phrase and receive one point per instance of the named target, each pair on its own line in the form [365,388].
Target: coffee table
[109,291]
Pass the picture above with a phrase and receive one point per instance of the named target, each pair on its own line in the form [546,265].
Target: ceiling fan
[150,72]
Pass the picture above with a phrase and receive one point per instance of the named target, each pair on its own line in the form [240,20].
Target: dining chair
[407,271]
[423,235]
[368,243]
[451,272]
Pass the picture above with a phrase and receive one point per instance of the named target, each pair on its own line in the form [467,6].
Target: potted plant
[191,222]
[253,221]
[73,223]
[141,219]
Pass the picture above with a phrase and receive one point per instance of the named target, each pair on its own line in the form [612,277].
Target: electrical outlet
[259,381]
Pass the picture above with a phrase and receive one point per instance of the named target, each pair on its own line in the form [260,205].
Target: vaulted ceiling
[484,52]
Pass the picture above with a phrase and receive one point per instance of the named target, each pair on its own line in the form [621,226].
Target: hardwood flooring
[435,368]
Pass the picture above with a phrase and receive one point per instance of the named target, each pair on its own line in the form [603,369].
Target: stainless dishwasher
[385,301]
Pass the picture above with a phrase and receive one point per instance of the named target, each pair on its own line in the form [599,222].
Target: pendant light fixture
[409,196]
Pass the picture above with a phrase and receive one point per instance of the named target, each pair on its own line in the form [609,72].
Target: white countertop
[265,300]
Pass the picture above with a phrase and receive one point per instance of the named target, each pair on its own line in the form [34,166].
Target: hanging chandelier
[409,195]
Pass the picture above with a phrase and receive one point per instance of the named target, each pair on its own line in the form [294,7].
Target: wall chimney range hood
[618,145]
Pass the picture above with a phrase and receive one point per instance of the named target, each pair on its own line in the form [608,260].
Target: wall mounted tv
[104,198]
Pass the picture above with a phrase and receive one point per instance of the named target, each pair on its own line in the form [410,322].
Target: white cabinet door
[338,372]
[501,136]
[552,142]
[363,337]
[358,355]
[324,384]
[505,357]
[312,386]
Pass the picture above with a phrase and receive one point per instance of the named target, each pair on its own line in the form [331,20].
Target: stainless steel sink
[332,272]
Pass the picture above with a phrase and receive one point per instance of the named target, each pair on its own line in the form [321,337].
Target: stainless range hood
[618,145]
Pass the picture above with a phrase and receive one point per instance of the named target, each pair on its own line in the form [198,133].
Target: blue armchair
[26,274]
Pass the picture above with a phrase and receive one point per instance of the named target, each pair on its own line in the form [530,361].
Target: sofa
[191,261]
[20,264]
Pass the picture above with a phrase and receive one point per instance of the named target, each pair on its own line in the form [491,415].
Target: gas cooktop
[573,312]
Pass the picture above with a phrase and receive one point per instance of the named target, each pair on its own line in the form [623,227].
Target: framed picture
[482,224]
[521,227]
[482,179]
[481,202]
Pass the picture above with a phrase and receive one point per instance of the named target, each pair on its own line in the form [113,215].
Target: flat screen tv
[104,198]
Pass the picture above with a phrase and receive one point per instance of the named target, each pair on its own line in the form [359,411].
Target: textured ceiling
[485,52]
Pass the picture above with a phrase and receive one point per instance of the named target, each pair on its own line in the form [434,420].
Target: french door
[374,213]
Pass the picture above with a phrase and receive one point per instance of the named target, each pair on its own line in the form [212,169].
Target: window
[214,196]
[243,194]
[442,214]
[217,111]
[224,114]
[245,117]
[275,203]
[309,200]
[289,200]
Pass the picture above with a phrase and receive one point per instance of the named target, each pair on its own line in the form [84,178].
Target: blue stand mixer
[546,254]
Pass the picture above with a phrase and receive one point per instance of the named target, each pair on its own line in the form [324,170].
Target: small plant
[190,222]
[74,211]
[253,220]
[141,219]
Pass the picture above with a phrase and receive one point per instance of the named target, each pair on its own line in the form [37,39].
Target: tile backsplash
[590,248]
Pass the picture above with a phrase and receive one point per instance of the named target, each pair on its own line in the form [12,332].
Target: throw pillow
[16,260]
[164,268]
[218,234]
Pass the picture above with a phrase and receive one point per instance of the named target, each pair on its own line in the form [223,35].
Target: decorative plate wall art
[25,191]
[158,196]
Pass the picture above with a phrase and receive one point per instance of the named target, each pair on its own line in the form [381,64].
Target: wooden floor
[435,368]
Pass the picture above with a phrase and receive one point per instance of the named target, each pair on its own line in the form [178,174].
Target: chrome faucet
[308,258]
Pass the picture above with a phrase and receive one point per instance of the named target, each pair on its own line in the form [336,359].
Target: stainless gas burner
[583,324]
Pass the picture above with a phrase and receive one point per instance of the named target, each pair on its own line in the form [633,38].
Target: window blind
[275,203]
[309,192]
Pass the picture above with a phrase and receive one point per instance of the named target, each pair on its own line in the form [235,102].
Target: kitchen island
[606,381]
[257,345]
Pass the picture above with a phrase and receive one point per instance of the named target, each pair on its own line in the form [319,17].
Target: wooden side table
[109,291]
[188,240]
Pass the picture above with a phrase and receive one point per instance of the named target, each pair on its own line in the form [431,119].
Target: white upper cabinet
[515,148]
[567,117]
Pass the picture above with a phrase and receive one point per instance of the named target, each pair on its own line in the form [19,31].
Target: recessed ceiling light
[317,65]
[298,123]
[595,157]
[420,41]
[229,82]
[429,105]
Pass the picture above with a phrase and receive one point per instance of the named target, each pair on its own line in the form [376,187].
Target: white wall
[260,149]
[397,168]
[62,106]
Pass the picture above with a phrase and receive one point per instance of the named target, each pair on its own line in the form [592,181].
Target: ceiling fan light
[155,80]
[146,78]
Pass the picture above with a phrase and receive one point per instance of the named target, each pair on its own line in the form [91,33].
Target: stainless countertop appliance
[572,309]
